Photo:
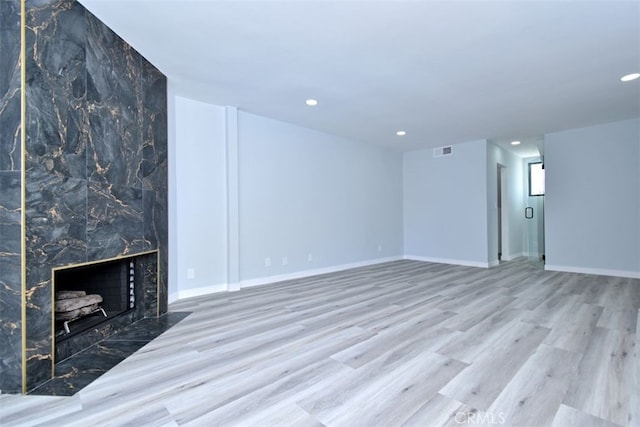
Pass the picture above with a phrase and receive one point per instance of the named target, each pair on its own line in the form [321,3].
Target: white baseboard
[313,272]
[223,287]
[199,291]
[232,287]
[448,261]
[595,271]
[511,257]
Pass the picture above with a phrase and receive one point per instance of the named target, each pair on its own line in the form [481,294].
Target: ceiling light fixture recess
[311,102]
[401,133]
[629,77]
[515,142]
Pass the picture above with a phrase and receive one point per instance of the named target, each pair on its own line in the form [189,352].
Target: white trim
[595,271]
[448,261]
[202,290]
[232,287]
[223,287]
[511,257]
[314,272]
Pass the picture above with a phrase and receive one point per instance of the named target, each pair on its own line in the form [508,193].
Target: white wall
[445,205]
[197,192]
[297,192]
[592,201]
[512,204]
[305,193]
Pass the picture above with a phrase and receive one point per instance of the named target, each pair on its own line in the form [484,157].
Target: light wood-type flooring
[404,343]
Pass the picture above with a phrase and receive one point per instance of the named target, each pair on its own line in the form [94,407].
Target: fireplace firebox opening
[88,295]
[95,300]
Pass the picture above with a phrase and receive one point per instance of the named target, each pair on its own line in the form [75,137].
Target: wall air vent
[443,151]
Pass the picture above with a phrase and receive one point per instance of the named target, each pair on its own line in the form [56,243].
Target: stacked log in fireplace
[74,305]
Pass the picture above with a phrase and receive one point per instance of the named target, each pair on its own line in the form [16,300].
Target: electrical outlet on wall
[267,262]
[379,248]
[285,260]
[191,273]
[310,257]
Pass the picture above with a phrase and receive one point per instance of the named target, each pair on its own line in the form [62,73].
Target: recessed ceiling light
[311,102]
[401,133]
[515,142]
[629,77]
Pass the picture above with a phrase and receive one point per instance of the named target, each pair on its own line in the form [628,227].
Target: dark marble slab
[115,221]
[10,199]
[147,298]
[10,16]
[10,324]
[154,168]
[81,369]
[10,212]
[156,228]
[114,101]
[10,148]
[56,216]
[55,90]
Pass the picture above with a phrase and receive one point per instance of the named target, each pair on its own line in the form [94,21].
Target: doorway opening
[535,210]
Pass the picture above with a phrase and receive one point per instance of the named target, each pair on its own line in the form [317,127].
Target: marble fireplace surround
[83,169]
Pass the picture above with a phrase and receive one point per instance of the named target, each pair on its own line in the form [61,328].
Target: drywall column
[592,205]
[233,204]
[199,198]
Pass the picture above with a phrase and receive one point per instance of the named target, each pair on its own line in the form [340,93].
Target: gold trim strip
[53,326]
[23,189]
[158,284]
[100,261]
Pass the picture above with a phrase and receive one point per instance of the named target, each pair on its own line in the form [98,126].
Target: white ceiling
[444,71]
[531,146]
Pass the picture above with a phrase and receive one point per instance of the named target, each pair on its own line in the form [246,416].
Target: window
[536,179]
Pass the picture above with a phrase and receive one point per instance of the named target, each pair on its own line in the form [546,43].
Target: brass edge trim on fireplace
[82,264]
[23,184]
[99,261]
[53,325]
[158,283]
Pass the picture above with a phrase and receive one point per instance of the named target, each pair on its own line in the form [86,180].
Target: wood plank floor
[404,343]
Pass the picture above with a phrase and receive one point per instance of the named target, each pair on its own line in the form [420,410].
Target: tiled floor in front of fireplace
[82,368]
